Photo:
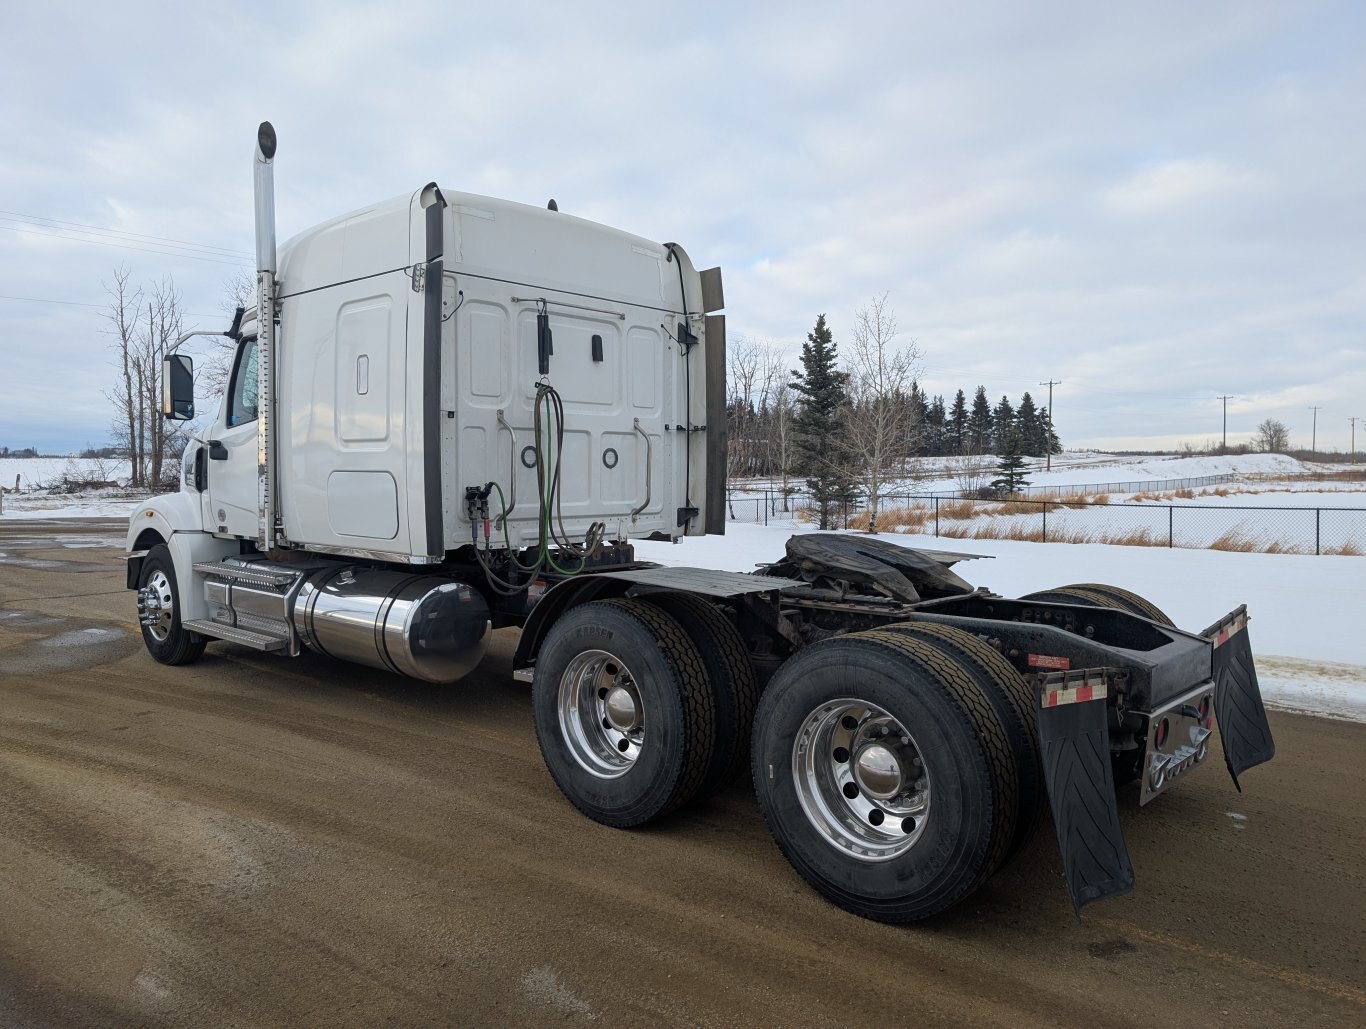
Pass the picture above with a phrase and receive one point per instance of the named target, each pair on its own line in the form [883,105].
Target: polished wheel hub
[860,779]
[156,604]
[601,716]
[878,772]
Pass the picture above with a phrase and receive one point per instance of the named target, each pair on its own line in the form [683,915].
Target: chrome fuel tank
[420,626]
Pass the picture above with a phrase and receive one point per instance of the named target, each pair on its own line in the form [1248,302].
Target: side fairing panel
[345,429]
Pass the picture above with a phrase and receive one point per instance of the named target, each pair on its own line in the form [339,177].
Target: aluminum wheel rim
[861,780]
[601,714]
[158,606]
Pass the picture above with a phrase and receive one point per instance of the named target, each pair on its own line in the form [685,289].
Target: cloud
[1151,204]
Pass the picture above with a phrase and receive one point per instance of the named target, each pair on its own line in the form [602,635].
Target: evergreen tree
[1033,435]
[819,423]
[1002,424]
[919,419]
[936,428]
[979,423]
[1054,444]
[1010,475]
[958,424]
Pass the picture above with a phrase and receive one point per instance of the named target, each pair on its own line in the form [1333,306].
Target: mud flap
[1243,727]
[1075,743]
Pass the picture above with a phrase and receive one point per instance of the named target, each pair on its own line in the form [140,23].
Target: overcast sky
[1155,203]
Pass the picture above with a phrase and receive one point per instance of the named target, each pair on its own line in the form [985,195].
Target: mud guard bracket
[1243,728]
[1075,744]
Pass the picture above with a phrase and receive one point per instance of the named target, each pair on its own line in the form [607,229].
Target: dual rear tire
[895,770]
[641,706]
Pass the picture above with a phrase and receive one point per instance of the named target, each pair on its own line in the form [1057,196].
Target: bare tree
[238,291]
[165,322]
[1273,437]
[122,312]
[782,409]
[742,376]
[877,425]
[144,325]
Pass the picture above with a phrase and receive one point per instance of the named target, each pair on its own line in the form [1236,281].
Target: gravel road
[258,840]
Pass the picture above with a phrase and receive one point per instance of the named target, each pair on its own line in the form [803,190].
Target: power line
[125,246]
[101,307]
[104,230]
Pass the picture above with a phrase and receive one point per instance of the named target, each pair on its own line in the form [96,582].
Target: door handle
[217,452]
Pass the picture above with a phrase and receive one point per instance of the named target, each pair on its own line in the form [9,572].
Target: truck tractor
[448,414]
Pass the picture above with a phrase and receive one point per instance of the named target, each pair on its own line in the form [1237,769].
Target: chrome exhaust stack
[265,198]
[265,335]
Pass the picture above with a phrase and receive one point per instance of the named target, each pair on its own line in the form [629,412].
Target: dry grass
[913,518]
[1240,542]
[1001,520]
[1031,532]
[958,509]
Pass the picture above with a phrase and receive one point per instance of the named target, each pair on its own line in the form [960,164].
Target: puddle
[49,564]
[29,620]
[75,646]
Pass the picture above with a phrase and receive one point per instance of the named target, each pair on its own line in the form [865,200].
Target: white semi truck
[448,414]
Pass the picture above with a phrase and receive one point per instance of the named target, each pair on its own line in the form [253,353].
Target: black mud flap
[1075,740]
[1243,727]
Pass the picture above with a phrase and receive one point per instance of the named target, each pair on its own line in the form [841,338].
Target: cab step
[256,640]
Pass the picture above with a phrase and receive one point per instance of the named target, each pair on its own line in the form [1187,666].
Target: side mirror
[177,388]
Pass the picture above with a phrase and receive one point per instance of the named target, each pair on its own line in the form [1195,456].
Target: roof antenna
[552,206]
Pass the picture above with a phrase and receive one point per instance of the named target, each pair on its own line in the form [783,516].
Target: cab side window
[242,390]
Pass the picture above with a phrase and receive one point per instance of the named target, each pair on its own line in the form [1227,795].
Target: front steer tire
[623,713]
[860,824]
[167,640]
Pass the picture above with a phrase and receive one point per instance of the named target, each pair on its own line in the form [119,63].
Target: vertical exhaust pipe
[265,198]
[265,336]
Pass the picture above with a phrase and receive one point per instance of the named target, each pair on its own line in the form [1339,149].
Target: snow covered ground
[1306,612]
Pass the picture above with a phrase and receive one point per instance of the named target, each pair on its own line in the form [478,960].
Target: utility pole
[1224,448]
[1354,439]
[1314,433]
[1048,443]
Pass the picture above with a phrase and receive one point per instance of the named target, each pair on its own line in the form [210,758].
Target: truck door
[232,451]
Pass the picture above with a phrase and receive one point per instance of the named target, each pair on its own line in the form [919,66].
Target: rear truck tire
[167,640]
[884,775]
[734,684]
[1095,594]
[1013,699]
[623,713]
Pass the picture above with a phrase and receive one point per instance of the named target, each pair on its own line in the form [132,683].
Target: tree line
[848,428]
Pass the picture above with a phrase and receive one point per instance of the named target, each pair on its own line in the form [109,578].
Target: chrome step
[247,573]
[255,640]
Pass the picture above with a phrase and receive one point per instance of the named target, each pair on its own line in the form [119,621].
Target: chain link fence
[1272,530]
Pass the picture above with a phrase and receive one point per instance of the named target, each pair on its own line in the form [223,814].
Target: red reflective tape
[1076,695]
[1056,664]
[1232,629]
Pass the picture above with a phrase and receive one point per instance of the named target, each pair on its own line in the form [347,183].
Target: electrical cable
[104,230]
